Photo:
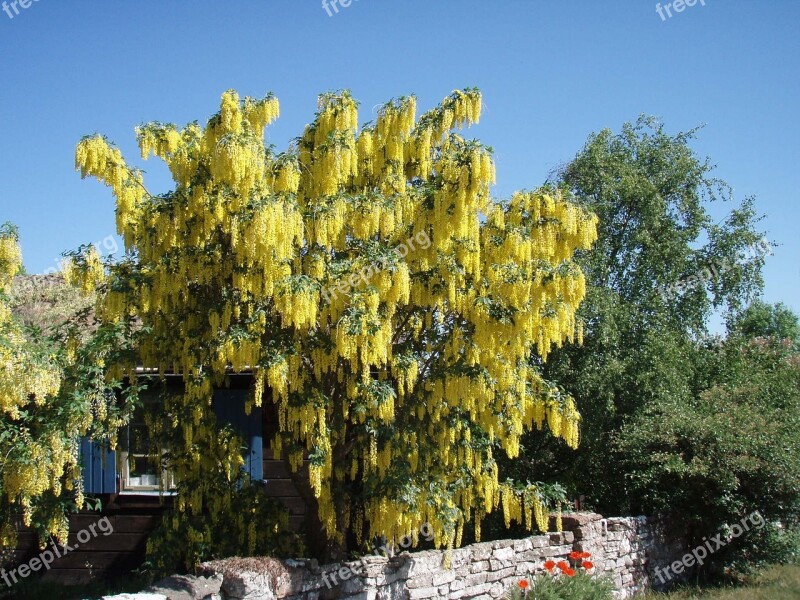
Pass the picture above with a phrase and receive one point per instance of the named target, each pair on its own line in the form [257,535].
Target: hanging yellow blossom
[387,303]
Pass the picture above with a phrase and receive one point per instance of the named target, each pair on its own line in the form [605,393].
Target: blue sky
[551,73]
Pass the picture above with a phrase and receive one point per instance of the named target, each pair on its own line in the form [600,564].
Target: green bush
[743,563]
[251,525]
[733,450]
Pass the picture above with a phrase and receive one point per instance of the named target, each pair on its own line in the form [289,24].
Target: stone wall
[626,549]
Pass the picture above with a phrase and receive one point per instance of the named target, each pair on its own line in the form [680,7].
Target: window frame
[124,463]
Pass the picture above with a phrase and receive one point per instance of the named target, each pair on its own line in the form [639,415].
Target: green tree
[761,319]
[661,265]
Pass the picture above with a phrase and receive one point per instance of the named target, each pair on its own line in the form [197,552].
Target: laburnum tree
[378,294]
[51,394]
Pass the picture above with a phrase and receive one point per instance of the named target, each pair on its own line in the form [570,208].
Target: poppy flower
[587,565]
[585,554]
[569,572]
[523,583]
[550,565]
[562,565]
[575,555]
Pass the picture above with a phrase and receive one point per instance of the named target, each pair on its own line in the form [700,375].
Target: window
[134,468]
[140,467]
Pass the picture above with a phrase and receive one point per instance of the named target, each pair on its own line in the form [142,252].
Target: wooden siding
[107,556]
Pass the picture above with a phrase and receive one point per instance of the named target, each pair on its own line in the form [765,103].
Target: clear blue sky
[551,73]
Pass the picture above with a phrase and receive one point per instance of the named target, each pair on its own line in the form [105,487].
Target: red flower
[575,555]
[569,572]
[587,565]
[523,583]
[585,554]
[549,565]
[562,565]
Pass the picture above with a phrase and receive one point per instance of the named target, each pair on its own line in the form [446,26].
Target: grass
[777,583]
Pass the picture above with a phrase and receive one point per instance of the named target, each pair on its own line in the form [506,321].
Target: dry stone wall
[626,549]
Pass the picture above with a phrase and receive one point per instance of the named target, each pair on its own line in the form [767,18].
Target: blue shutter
[99,465]
[228,406]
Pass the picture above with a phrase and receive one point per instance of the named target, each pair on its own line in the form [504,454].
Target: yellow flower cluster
[34,462]
[10,260]
[23,376]
[414,372]
[85,272]
[95,157]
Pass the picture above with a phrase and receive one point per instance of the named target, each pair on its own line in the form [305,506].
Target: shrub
[183,540]
[733,450]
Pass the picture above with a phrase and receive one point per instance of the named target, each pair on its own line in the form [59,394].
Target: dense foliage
[370,282]
[246,522]
[643,317]
[762,320]
[52,391]
[676,421]
[732,450]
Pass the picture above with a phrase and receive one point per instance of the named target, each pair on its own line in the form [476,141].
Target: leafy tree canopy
[761,319]
[661,265]
[51,393]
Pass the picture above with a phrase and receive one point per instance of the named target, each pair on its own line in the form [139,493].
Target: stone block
[353,586]
[525,568]
[479,567]
[502,573]
[556,539]
[187,587]
[420,581]
[367,595]
[443,577]
[503,553]
[425,562]
[540,541]
[472,591]
[475,580]
[496,590]
[481,551]
[523,545]
[496,565]
[428,592]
